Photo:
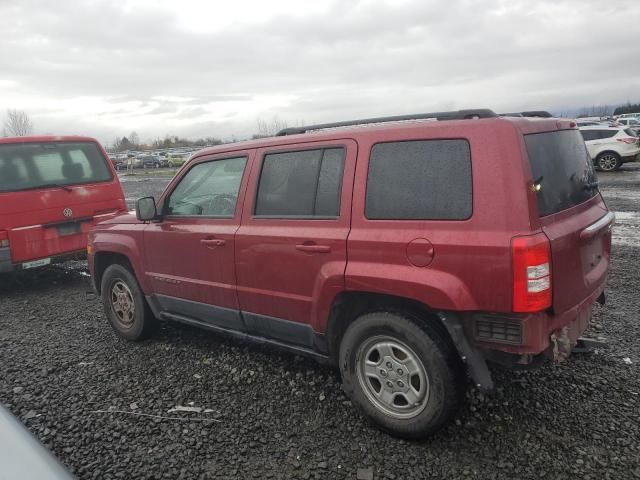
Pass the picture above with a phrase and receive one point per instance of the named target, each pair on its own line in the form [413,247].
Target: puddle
[626,230]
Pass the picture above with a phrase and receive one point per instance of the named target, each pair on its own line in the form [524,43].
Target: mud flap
[472,357]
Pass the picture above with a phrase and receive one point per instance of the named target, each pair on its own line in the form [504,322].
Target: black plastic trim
[286,334]
[202,312]
[5,260]
[454,115]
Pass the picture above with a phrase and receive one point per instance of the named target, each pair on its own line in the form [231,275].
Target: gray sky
[197,68]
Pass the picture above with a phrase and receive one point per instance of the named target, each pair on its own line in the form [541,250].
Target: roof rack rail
[532,113]
[537,113]
[455,115]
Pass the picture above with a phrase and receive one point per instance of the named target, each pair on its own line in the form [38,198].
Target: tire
[426,373]
[124,304]
[608,161]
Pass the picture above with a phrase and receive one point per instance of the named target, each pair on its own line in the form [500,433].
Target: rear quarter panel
[471,268]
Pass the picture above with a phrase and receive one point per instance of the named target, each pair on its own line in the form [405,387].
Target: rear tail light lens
[531,263]
[629,140]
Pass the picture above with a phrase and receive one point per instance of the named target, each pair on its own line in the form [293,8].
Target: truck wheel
[402,373]
[125,305]
[608,161]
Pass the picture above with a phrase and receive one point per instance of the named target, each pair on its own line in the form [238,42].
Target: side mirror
[146,209]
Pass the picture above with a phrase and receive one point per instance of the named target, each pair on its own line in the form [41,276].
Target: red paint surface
[261,269]
[26,214]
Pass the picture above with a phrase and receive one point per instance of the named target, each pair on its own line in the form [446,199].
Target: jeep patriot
[407,251]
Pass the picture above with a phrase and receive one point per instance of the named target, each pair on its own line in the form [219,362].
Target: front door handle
[213,242]
[313,248]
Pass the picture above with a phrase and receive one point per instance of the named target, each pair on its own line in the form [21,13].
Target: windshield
[28,166]
[562,170]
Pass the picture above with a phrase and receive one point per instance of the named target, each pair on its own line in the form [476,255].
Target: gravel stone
[61,363]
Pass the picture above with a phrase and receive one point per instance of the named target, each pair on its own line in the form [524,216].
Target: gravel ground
[276,415]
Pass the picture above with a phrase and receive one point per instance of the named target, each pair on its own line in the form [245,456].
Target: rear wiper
[66,188]
[591,185]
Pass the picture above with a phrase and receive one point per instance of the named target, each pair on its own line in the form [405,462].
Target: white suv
[610,147]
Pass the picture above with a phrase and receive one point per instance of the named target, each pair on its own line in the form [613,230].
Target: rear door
[291,249]
[189,255]
[51,193]
[572,215]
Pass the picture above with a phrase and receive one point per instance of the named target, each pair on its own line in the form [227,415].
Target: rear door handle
[313,248]
[213,242]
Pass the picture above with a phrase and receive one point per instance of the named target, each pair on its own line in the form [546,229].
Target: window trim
[167,197]
[276,151]
[364,205]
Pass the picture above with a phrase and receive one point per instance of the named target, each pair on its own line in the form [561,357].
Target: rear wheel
[125,305]
[401,373]
[608,161]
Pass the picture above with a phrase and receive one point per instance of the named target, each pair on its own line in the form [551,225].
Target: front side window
[420,180]
[28,166]
[208,189]
[301,184]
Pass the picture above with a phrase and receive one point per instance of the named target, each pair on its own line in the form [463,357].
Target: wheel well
[102,260]
[608,151]
[348,306]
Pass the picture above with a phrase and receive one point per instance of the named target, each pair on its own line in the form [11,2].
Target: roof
[47,139]
[525,124]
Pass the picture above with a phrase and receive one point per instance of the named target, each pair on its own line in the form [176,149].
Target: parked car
[610,147]
[52,189]
[408,254]
[630,115]
[22,456]
[149,161]
[629,122]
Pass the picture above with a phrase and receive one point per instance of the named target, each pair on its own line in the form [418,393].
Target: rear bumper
[529,335]
[7,266]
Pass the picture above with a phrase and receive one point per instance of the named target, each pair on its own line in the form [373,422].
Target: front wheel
[608,161]
[402,373]
[125,305]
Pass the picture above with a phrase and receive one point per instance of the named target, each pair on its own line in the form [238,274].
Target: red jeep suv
[406,251]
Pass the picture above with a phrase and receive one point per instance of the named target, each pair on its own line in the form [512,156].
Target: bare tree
[17,124]
[134,139]
[270,128]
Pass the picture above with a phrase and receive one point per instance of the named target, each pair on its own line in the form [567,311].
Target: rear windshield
[562,170]
[28,166]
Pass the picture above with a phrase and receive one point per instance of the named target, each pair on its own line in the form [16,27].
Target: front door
[291,249]
[189,255]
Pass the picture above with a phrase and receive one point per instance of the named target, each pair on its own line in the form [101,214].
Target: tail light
[4,239]
[629,140]
[531,263]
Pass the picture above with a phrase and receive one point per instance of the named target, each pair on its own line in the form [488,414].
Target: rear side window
[301,184]
[606,133]
[631,132]
[589,135]
[420,180]
[29,166]
[562,170]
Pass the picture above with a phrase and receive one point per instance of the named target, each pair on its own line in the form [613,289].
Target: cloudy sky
[212,68]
